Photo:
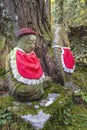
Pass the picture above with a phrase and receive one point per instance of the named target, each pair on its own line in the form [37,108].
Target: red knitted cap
[25,31]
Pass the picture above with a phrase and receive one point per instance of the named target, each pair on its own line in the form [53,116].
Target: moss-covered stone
[55,109]
[21,87]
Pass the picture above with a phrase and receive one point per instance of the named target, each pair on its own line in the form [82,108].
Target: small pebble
[52,98]
[43,102]
[29,103]
[16,108]
[48,103]
[36,106]
[60,102]
[16,103]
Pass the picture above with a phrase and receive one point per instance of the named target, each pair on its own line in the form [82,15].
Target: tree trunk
[61,40]
[16,14]
[48,10]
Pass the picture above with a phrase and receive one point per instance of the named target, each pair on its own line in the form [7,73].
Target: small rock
[37,121]
[36,106]
[15,108]
[48,103]
[77,91]
[29,103]
[52,98]
[15,103]
[43,102]
[9,108]
[60,102]
[53,95]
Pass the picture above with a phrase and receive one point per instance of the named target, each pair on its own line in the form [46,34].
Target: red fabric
[68,58]
[24,31]
[28,65]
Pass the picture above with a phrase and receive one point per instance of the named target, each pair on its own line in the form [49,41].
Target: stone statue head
[26,39]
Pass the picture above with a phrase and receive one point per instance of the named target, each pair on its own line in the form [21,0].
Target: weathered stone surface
[38,120]
[22,91]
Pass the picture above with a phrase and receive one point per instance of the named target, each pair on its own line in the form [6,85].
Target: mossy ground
[64,116]
[80,77]
[65,113]
[23,108]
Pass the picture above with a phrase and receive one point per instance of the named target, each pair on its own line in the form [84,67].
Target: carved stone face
[27,43]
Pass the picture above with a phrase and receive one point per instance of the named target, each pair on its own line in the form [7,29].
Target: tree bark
[31,14]
[48,10]
[61,39]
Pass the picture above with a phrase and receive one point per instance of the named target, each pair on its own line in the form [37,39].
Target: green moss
[54,89]
[71,117]
[80,77]
[48,37]
[46,33]
[51,52]
[65,115]
[63,40]
[15,124]
[6,101]
[2,72]
[55,109]
[79,118]
[2,42]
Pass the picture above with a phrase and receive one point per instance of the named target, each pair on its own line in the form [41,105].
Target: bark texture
[32,14]
[61,39]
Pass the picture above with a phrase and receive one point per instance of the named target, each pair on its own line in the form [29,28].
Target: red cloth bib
[68,58]
[28,65]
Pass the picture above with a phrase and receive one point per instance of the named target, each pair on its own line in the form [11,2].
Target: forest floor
[74,117]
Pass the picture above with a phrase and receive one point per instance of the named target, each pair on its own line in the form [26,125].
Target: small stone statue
[24,72]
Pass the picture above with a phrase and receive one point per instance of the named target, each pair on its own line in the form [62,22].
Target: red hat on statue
[25,31]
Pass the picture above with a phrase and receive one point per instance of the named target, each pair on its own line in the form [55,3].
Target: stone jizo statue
[25,76]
